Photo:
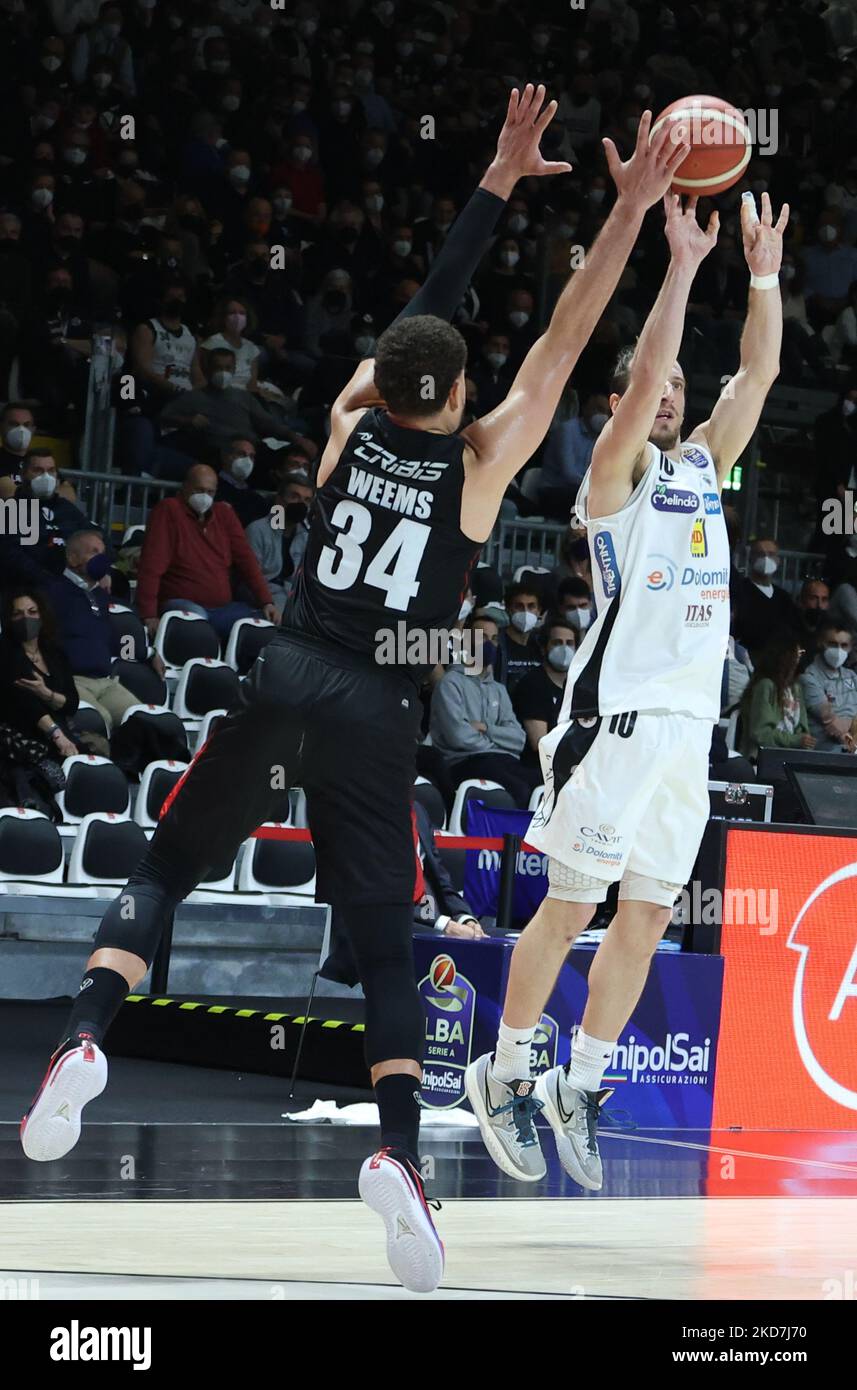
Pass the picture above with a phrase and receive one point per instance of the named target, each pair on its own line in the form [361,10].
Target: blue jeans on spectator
[221,619]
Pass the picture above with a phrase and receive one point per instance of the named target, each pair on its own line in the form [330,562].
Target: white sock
[512,1054]
[589,1058]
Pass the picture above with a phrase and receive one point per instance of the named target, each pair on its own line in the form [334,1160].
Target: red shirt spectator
[189,556]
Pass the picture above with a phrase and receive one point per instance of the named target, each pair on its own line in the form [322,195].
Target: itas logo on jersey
[698,538]
[711,502]
[661,576]
[605,554]
[676,501]
[690,454]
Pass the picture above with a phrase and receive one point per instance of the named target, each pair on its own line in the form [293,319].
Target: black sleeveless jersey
[386,565]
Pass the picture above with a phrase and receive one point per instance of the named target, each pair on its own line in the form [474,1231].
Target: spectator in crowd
[830,690]
[538,695]
[761,607]
[229,322]
[518,649]
[773,713]
[207,418]
[37,691]
[491,373]
[830,269]
[162,351]
[17,427]
[835,440]
[237,459]
[191,546]
[567,455]
[279,540]
[40,553]
[575,561]
[80,597]
[574,602]
[473,725]
[57,344]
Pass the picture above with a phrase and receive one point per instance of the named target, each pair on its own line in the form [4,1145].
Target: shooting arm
[734,418]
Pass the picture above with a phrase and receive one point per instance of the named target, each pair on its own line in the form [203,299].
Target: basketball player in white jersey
[626,768]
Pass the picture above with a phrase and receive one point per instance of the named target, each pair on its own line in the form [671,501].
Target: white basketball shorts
[625,793]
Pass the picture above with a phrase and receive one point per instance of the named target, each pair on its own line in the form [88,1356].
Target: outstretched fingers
[782,220]
[546,117]
[643,132]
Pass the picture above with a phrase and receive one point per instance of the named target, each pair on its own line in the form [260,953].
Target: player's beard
[666,434]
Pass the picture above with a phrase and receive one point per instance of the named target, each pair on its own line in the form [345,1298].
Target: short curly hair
[417,361]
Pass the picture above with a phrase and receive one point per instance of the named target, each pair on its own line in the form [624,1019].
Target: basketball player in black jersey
[404,503]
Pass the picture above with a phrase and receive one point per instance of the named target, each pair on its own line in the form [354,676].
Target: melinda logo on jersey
[676,501]
[606,557]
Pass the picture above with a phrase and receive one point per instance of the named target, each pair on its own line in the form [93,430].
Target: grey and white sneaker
[573,1117]
[506,1113]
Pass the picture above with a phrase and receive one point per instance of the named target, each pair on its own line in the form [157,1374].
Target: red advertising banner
[787,1057]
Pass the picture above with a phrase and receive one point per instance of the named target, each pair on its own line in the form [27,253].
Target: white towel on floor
[328,1112]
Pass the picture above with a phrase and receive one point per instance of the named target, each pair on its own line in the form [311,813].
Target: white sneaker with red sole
[391,1186]
[51,1126]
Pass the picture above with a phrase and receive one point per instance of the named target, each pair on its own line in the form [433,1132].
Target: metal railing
[515,543]
[115,501]
[99,430]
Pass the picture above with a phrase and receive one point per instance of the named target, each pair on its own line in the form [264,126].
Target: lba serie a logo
[824,994]
[448,999]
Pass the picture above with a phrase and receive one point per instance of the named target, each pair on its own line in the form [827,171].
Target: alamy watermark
[433,646]
[19,516]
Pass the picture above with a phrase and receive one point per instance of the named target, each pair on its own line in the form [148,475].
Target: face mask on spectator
[282,206]
[374,157]
[236,323]
[308,27]
[518,222]
[518,317]
[301,153]
[525,622]
[404,50]
[51,63]
[298,106]
[489,652]
[597,195]
[25,629]
[231,102]
[219,65]
[848,408]
[578,618]
[560,658]
[374,202]
[200,502]
[98,566]
[365,344]
[827,233]
[766,565]
[295,512]
[19,437]
[342,108]
[101,81]
[835,657]
[222,379]
[74,155]
[509,258]
[241,467]
[402,248]
[240,173]
[43,485]
[497,359]
[598,421]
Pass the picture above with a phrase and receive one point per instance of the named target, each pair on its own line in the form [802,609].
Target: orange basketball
[720,141]
[442,972]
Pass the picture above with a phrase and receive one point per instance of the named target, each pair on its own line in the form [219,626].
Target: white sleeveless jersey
[173,350]
[660,573]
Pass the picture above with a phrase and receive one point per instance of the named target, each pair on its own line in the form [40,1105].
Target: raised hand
[644,178]
[518,155]
[688,242]
[763,238]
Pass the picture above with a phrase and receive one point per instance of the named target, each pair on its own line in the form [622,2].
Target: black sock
[100,998]
[399,1113]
